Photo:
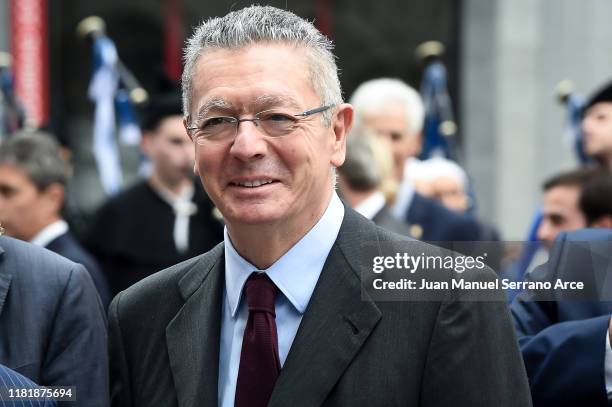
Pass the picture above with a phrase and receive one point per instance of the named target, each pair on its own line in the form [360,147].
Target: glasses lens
[276,124]
[216,128]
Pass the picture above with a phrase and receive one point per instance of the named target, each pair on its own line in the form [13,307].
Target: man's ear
[54,196]
[342,121]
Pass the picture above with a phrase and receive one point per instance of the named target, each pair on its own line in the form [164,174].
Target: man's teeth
[255,183]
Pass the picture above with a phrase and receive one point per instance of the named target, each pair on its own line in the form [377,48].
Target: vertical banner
[323,19]
[173,39]
[31,57]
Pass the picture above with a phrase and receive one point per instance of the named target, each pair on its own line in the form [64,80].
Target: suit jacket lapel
[334,327]
[6,276]
[193,335]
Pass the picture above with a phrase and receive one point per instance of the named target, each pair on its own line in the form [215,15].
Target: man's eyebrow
[268,101]
[214,103]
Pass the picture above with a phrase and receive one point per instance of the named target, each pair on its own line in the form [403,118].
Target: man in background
[564,334]
[365,180]
[33,177]
[161,220]
[561,203]
[52,324]
[394,111]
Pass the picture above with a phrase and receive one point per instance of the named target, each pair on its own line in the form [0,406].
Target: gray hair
[265,24]
[360,169]
[38,155]
[375,95]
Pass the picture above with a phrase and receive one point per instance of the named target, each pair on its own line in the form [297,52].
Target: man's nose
[250,142]
[545,232]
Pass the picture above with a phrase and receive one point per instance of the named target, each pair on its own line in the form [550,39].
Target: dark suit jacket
[11,379]
[440,224]
[385,219]
[563,340]
[52,327]
[131,235]
[69,247]
[348,351]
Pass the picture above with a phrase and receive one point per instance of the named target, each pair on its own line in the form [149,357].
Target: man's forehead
[562,196]
[13,175]
[600,107]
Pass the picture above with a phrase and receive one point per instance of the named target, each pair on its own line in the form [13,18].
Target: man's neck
[263,245]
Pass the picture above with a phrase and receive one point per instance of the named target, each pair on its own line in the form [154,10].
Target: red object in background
[30,52]
[173,39]
[323,19]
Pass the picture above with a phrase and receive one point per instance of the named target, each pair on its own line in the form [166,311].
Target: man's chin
[253,215]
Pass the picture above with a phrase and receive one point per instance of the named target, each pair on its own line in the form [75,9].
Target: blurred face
[253,178]
[560,213]
[391,125]
[597,127]
[24,210]
[170,150]
[449,191]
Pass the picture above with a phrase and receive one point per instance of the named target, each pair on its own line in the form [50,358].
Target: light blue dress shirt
[295,274]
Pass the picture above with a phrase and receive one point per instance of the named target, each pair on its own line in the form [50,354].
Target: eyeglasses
[273,123]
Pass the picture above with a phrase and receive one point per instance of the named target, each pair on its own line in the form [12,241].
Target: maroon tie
[259,361]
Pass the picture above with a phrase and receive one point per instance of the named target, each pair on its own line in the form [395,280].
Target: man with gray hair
[33,177]
[365,181]
[263,106]
[394,111]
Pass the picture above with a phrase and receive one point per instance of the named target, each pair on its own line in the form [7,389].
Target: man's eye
[278,117]
[557,220]
[7,192]
[215,121]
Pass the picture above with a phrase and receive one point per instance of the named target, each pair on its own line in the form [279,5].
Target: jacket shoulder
[34,261]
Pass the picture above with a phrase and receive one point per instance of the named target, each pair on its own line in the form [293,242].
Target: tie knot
[260,293]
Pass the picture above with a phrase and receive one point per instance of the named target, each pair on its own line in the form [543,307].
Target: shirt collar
[370,206]
[296,273]
[50,232]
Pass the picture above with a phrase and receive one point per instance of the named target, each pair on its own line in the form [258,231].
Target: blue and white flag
[129,130]
[575,104]
[12,115]
[439,125]
[102,90]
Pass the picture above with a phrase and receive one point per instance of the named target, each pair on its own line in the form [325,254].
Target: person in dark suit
[52,324]
[394,111]
[275,314]
[9,379]
[161,220]
[365,180]
[565,334]
[33,177]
